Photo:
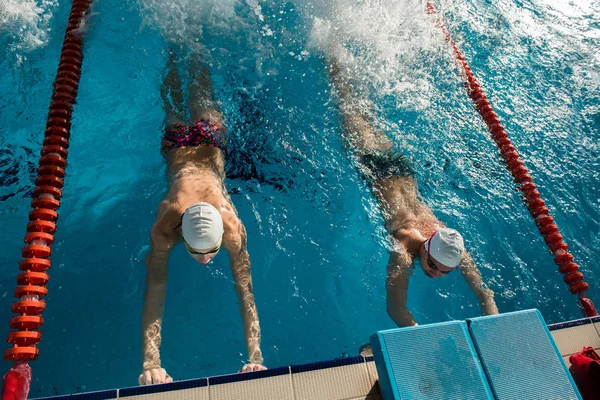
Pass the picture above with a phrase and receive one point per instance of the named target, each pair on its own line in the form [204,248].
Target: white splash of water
[26,23]
[389,45]
[183,22]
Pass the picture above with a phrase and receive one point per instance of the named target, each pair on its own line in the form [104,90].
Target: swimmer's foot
[366,350]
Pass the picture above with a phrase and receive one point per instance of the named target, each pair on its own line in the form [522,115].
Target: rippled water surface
[316,240]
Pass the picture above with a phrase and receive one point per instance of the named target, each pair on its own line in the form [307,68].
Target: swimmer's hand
[251,367]
[153,376]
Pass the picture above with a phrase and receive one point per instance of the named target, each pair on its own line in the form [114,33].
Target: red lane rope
[24,334]
[537,208]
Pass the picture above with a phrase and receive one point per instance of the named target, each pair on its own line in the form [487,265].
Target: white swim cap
[202,226]
[446,246]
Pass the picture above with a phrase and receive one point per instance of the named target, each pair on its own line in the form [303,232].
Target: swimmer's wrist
[255,356]
[151,364]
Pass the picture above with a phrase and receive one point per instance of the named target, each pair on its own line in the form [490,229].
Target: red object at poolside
[585,368]
[15,384]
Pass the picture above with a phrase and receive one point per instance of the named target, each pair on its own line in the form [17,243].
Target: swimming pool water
[315,236]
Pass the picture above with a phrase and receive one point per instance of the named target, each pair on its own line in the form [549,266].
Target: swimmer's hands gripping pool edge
[252,367]
[153,376]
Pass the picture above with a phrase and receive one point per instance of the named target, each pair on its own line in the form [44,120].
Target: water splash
[24,24]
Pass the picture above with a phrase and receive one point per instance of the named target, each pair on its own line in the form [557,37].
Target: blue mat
[436,361]
[520,357]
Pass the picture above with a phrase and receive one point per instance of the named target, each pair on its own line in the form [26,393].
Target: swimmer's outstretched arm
[473,277]
[398,273]
[239,260]
[152,314]
[162,240]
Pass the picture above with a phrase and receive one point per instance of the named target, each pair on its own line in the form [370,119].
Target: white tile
[597,326]
[338,383]
[271,388]
[574,339]
[566,360]
[373,377]
[200,393]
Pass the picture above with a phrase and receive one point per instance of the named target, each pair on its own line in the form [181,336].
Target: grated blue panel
[430,362]
[520,357]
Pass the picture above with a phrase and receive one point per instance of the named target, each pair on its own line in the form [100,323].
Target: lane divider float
[24,334]
[537,207]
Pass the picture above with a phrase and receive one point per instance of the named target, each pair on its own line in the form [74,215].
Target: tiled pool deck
[345,379]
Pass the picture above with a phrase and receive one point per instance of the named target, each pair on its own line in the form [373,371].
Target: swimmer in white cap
[417,233]
[197,211]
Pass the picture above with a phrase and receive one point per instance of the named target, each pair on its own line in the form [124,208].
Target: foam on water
[24,24]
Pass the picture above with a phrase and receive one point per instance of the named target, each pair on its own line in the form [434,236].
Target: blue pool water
[316,240]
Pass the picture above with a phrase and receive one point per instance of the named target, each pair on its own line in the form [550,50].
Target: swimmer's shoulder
[165,230]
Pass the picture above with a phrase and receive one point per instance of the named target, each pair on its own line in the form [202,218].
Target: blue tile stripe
[596,319]
[103,395]
[569,324]
[327,364]
[167,387]
[248,376]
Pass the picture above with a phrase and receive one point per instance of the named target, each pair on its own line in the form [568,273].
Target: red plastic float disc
[70,61]
[59,112]
[41,226]
[71,45]
[44,214]
[514,163]
[30,307]
[56,192]
[50,180]
[40,291]
[55,140]
[563,259]
[579,287]
[45,202]
[35,264]
[568,268]
[522,178]
[24,338]
[57,121]
[57,130]
[68,82]
[32,278]
[553,238]
[65,91]
[539,211]
[548,229]
[21,353]
[53,159]
[554,247]
[64,95]
[52,170]
[46,237]
[573,277]
[26,322]
[532,194]
[36,251]
[544,220]
[61,151]
[71,53]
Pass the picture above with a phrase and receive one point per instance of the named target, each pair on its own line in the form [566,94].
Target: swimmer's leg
[171,94]
[358,130]
[202,104]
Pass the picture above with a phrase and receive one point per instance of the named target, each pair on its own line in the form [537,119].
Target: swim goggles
[192,251]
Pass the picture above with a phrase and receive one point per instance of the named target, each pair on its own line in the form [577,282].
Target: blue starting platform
[504,357]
